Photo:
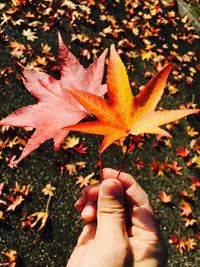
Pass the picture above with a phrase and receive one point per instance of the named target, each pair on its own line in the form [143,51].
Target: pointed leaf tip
[113,52]
[60,39]
[168,67]
[112,47]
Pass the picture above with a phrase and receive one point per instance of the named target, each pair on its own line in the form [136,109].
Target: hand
[126,232]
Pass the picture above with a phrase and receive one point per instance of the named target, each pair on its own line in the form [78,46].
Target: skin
[121,229]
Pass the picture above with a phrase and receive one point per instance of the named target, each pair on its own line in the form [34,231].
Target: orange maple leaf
[191,244]
[164,198]
[175,168]
[186,209]
[125,114]
[15,202]
[182,152]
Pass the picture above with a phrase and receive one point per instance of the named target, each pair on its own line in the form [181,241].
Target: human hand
[126,232]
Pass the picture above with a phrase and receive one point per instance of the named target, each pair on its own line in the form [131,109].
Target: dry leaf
[164,198]
[39,216]
[48,190]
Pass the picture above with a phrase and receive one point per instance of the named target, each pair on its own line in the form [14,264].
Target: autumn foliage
[132,99]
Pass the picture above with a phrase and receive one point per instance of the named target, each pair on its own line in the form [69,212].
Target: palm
[144,243]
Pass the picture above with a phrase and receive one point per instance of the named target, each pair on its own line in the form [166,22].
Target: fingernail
[111,187]
[87,212]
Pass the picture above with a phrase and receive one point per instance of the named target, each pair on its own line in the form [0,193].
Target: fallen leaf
[71,142]
[184,193]
[27,222]
[191,244]
[39,216]
[159,168]
[138,164]
[196,182]
[124,114]
[191,131]
[182,152]
[195,145]
[84,181]
[186,209]
[48,190]
[30,35]
[189,221]
[81,164]
[80,149]
[196,160]
[164,198]
[175,168]
[182,246]
[174,240]
[16,201]
[24,190]
[12,258]
[71,168]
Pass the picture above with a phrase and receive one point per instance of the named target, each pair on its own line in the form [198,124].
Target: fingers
[110,212]
[136,195]
[140,212]
[134,192]
[86,204]
[80,203]
[89,211]
[125,178]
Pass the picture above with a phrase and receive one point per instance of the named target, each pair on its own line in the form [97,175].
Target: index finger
[135,194]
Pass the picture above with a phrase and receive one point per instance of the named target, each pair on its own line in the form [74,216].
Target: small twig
[101,159]
[125,156]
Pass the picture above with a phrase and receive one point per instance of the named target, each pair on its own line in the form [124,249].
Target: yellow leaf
[40,216]
[48,189]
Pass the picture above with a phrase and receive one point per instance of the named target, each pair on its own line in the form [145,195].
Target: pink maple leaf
[55,107]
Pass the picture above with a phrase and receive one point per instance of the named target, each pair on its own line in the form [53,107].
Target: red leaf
[81,149]
[174,239]
[55,107]
[182,152]
[138,164]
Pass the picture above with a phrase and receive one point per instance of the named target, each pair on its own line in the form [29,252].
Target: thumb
[110,212]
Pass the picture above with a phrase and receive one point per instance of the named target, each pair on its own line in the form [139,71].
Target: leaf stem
[125,156]
[100,159]
[48,202]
